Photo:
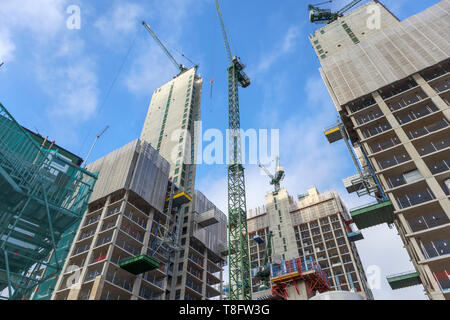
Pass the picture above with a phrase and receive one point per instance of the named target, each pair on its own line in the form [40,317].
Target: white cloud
[64,71]
[151,68]
[120,21]
[40,18]
[72,87]
[7,47]
[286,46]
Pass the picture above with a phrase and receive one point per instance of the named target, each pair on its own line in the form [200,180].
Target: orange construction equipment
[289,272]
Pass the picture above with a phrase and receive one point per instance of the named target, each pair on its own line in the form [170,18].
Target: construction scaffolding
[42,196]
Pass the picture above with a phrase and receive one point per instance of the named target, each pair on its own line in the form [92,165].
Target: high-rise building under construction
[123,249]
[169,125]
[389,81]
[170,128]
[315,227]
[148,234]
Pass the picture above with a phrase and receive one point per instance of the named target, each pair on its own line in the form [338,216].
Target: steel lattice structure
[42,199]
[238,250]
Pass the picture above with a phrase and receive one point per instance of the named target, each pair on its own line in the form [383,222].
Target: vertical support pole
[8,275]
[349,147]
[50,225]
[338,284]
[350,280]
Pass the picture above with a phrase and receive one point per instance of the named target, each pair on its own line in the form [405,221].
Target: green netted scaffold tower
[43,197]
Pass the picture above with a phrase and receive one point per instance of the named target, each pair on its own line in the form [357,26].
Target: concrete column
[75,295]
[136,287]
[97,288]
[435,293]
[221,282]
[404,223]
[205,268]
[72,247]
[415,246]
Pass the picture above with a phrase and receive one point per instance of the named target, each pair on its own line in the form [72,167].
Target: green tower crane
[238,251]
[319,15]
[263,274]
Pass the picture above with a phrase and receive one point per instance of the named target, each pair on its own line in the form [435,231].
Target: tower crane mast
[238,250]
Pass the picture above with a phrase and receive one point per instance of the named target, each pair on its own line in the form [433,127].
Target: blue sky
[69,84]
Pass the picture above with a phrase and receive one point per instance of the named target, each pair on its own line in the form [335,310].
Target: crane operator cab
[320,15]
[243,79]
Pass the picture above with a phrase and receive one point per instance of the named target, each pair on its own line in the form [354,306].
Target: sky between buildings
[69,84]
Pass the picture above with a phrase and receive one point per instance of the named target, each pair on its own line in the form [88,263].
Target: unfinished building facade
[389,82]
[314,228]
[126,208]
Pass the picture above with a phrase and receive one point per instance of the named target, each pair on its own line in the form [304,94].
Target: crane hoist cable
[108,93]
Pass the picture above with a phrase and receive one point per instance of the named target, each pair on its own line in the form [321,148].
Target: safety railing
[443,279]
[394,182]
[428,221]
[91,275]
[440,167]
[195,259]
[117,259]
[407,101]
[153,280]
[148,294]
[140,221]
[128,247]
[393,161]
[86,235]
[417,133]
[375,130]
[113,211]
[132,232]
[436,73]
[109,225]
[194,286]
[82,249]
[380,146]
[358,107]
[116,279]
[297,265]
[434,146]
[413,199]
[437,248]
[443,87]
[411,84]
[416,114]
[91,220]
[103,240]
[98,258]
[368,117]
